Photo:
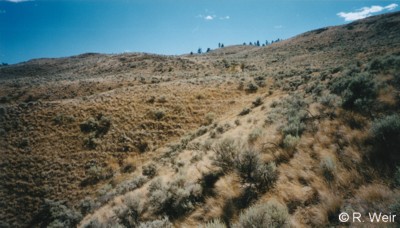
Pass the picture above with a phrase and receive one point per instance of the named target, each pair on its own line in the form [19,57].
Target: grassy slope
[45,101]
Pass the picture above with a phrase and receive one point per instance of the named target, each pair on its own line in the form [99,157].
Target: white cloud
[365,12]
[278,26]
[208,18]
[391,6]
[18,1]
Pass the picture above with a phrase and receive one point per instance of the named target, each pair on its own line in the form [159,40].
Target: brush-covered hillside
[287,135]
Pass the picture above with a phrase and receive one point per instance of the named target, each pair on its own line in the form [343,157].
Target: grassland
[307,127]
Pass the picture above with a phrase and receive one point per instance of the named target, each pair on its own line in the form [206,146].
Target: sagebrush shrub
[87,205]
[175,198]
[397,176]
[159,223]
[386,136]
[290,141]
[149,170]
[251,87]
[56,214]
[98,126]
[265,175]
[358,91]
[395,208]
[89,125]
[225,153]
[255,134]
[247,163]
[95,174]
[253,170]
[245,111]
[257,102]
[385,64]
[295,126]
[270,214]
[131,184]
[159,114]
[209,118]
[232,156]
[91,142]
[329,100]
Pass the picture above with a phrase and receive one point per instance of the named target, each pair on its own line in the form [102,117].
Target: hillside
[308,126]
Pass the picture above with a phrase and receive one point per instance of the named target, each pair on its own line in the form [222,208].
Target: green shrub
[294,127]
[175,198]
[99,126]
[386,136]
[56,214]
[397,176]
[232,156]
[329,100]
[62,119]
[251,87]
[225,154]
[124,217]
[88,125]
[95,174]
[265,175]
[162,99]
[131,184]
[142,145]
[93,223]
[385,64]
[358,91]
[209,118]
[91,142]
[237,122]
[128,168]
[159,223]
[245,111]
[247,163]
[270,214]
[159,114]
[257,102]
[295,109]
[255,134]
[395,208]
[260,81]
[149,170]
[87,205]
[253,170]
[290,141]
[23,143]
[201,131]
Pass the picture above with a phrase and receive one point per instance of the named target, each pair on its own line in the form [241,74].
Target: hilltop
[308,126]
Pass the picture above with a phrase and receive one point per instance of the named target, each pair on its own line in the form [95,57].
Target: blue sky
[57,28]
